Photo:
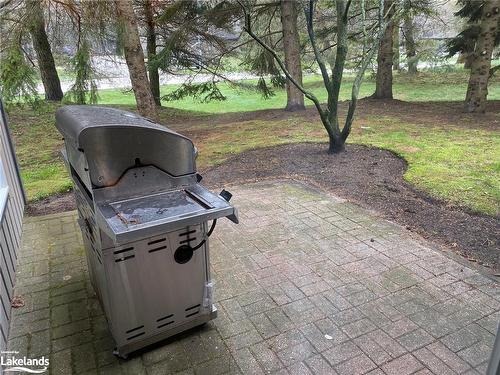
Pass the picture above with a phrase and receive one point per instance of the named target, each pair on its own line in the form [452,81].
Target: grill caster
[116,353]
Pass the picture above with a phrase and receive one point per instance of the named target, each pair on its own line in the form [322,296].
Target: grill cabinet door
[149,291]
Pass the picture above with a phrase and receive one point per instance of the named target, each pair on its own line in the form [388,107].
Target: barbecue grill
[144,218]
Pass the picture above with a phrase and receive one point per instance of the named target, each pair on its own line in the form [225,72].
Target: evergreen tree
[477,41]
[17,77]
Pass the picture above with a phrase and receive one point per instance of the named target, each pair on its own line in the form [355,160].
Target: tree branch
[338,68]
[317,53]
[309,95]
[360,74]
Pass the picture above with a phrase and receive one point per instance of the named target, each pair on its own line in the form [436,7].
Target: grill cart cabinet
[145,222]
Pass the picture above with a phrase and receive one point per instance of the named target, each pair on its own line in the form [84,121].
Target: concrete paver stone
[307,283]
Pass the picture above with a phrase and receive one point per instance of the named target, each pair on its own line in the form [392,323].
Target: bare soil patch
[372,178]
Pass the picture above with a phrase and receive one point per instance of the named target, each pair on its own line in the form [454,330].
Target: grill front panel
[149,291]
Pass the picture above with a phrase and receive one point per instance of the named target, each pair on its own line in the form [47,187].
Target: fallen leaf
[17,301]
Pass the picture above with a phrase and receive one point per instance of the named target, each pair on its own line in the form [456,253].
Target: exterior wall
[12,200]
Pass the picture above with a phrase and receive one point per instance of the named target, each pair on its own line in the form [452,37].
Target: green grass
[423,87]
[459,165]
[37,147]
[456,159]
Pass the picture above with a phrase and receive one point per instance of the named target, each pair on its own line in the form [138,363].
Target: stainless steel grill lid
[114,141]
[142,175]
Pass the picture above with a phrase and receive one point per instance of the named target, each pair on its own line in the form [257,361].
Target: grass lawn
[451,158]
[423,87]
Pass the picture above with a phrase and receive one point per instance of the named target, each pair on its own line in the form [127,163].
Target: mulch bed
[372,178]
[55,203]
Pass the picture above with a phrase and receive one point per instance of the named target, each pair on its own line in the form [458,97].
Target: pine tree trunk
[411,50]
[46,64]
[383,88]
[291,46]
[154,77]
[134,57]
[395,48]
[477,91]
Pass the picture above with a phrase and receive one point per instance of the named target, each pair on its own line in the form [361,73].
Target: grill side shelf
[129,220]
[121,234]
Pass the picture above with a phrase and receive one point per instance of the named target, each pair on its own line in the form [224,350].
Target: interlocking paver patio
[307,283]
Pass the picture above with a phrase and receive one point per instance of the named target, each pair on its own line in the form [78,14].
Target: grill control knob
[183,254]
